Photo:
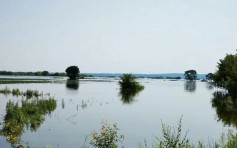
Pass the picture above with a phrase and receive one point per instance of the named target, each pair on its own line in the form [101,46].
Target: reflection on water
[72,84]
[226,108]
[190,86]
[128,95]
[209,85]
[28,113]
[79,113]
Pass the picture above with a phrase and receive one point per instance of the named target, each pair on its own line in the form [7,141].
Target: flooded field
[77,109]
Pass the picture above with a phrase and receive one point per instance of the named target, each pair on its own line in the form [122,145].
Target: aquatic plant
[16,92]
[5,91]
[30,114]
[107,137]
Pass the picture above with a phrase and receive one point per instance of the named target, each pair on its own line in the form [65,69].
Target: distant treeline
[177,78]
[38,73]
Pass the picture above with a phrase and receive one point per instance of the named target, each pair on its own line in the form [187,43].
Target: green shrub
[107,137]
[16,92]
[128,81]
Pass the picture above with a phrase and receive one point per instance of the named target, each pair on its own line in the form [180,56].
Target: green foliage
[38,73]
[5,91]
[31,93]
[172,139]
[72,72]
[128,81]
[226,75]
[107,137]
[16,92]
[45,73]
[129,88]
[30,114]
[190,75]
[209,76]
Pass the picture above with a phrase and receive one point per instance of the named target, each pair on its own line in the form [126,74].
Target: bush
[226,75]
[107,137]
[128,81]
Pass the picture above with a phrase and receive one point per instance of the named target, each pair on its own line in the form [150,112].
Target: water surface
[82,106]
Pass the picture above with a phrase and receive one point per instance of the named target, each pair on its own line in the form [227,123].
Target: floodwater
[81,108]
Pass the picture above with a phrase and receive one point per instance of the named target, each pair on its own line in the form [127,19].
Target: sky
[116,36]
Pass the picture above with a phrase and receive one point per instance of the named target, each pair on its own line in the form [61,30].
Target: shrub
[107,137]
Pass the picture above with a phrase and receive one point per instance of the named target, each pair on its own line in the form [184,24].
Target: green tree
[128,81]
[45,73]
[226,75]
[72,72]
[209,76]
[190,75]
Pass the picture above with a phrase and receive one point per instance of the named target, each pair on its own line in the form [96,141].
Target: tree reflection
[209,85]
[72,84]
[29,114]
[128,95]
[226,108]
[190,86]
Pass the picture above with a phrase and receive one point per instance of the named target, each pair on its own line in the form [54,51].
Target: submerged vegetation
[16,92]
[28,113]
[128,81]
[129,88]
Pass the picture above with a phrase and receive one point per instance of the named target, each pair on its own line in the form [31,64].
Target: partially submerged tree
[128,81]
[72,72]
[226,75]
[190,75]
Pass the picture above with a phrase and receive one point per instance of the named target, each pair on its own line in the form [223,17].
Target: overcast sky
[117,36]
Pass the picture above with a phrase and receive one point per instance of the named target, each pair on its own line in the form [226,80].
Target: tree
[72,72]
[226,75]
[190,75]
[209,76]
[45,73]
[127,81]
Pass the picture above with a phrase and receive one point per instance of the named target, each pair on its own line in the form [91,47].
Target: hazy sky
[137,36]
